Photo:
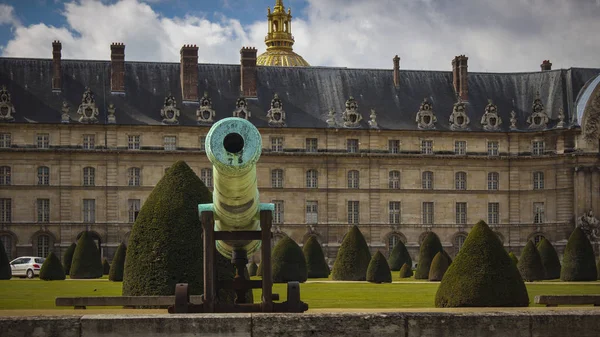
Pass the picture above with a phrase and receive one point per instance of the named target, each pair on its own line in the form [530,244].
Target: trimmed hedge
[288,262]
[439,265]
[86,262]
[550,259]
[353,258]
[579,263]
[482,275]
[316,265]
[52,269]
[379,270]
[68,258]
[406,271]
[105,266]
[429,248]
[5,271]
[118,264]
[530,265]
[252,269]
[514,258]
[399,256]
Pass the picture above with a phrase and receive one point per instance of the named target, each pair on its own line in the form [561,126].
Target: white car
[26,266]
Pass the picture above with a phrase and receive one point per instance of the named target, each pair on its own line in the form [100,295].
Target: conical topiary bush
[105,266]
[406,271]
[5,271]
[579,263]
[482,275]
[52,269]
[86,259]
[379,270]
[549,258]
[399,256]
[316,265]
[288,262]
[252,269]
[514,258]
[353,258]
[118,264]
[530,265]
[429,248]
[68,258]
[439,265]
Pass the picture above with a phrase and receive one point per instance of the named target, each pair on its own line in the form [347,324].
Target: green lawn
[36,294]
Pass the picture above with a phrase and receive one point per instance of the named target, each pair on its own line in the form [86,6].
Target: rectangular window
[89,142]
[277,178]
[538,148]
[278,213]
[394,146]
[43,210]
[427,180]
[89,210]
[42,141]
[493,181]
[353,212]
[202,143]
[277,144]
[134,209]
[538,180]
[312,145]
[538,212]
[43,175]
[133,142]
[394,210]
[426,146]
[460,147]
[5,175]
[312,211]
[5,140]
[492,148]
[5,210]
[493,213]
[170,143]
[206,176]
[428,213]
[352,145]
[461,213]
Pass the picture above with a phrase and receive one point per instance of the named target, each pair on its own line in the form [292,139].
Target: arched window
[493,181]
[5,175]
[393,241]
[277,178]
[459,241]
[353,179]
[43,175]
[427,180]
[8,245]
[537,238]
[89,176]
[538,180]
[460,181]
[134,176]
[43,245]
[312,179]
[394,180]
[206,176]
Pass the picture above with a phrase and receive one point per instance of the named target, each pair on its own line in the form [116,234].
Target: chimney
[546,65]
[56,70]
[396,71]
[117,67]
[189,73]
[460,76]
[248,71]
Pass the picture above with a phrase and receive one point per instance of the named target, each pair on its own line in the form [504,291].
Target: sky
[497,36]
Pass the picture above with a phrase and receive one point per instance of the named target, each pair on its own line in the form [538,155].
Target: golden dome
[279,40]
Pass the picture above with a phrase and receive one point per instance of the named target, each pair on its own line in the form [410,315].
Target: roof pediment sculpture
[351,116]
[561,119]
[169,112]
[490,119]
[425,117]
[7,109]
[513,120]
[331,118]
[590,225]
[373,121]
[538,118]
[205,113]
[459,119]
[276,115]
[241,109]
[65,116]
[88,109]
[111,118]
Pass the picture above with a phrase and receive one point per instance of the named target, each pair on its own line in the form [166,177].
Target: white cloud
[7,16]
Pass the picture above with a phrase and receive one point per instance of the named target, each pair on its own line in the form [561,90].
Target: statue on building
[538,118]
[590,225]
[65,116]
[331,118]
[169,112]
[88,109]
[561,119]
[241,109]
[425,117]
[459,119]
[111,118]
[205,113]
[490,120]
[513,120]
[7,109]
[373,121]
[276,115]
[351,116]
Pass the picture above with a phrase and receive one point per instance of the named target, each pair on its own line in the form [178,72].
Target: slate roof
[307,93]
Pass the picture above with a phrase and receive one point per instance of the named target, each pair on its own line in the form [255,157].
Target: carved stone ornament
[331,118]
[561,119]
[111,118]
[513,120]
[65,116]
[169,112]
[490,119]
[538,118]
[276,115]
[425,117]
[590,225]
[373,121]
[205,113]
[459,119]
[591,119]
[6,107]
[88,109]
[241,109]
[351,116]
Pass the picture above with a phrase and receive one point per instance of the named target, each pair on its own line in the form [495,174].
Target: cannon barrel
[233,146]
